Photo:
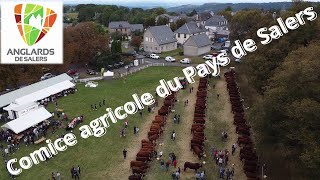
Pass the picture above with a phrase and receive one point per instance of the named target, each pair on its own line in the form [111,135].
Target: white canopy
[18,107]
[44,93]
[108,73]
[28,120]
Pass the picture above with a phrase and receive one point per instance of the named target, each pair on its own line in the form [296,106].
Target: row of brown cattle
[247,152]
[148,146]
[198,126]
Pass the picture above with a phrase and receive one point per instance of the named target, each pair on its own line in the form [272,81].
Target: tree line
[104,14]
[286,76]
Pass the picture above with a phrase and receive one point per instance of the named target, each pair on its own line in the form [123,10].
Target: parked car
[170,59]
[207,57]
[91,84]
[185,61]
[91,72]
[121,63]
[46,76]
[222,51]
[154,56]
[109,67]
[72,72]
[116,65]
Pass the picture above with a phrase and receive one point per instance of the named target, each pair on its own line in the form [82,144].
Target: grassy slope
[96,154]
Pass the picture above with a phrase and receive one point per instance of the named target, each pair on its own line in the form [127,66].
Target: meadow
[96,156]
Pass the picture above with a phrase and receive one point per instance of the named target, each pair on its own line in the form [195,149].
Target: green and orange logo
[33,21]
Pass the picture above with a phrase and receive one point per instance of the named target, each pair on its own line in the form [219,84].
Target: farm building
[197,45]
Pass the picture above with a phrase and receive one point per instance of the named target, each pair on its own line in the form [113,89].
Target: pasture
[96,156]
[101,158]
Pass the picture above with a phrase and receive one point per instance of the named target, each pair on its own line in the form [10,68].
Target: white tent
[18,107]
[30,119]
[44,93]
[10,97]
[108,73]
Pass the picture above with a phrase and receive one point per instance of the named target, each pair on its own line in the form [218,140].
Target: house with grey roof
[197,45]
[216,24]
[136,27]
[159,39]
[187,30]
[124,27]
[202,17]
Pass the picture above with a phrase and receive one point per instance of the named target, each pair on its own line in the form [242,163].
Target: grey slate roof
[119,24]
[200,40]
[137,27]
[204,16]
[10,97]
[163,34]
[190,28]
[214,20]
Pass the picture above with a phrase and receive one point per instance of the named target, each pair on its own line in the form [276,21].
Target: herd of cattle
[198,126]
[247,152]
[148,147]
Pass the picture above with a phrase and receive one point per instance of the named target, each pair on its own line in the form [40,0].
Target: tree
[116,46]
[229,8]
[84,41]
[162,21]
[159,11]
[136,41]
[181,22]
[194,12]
[173,26]
[151,21]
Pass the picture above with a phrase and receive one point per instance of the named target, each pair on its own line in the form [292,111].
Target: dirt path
[184,143]
[123,170]
[227,116]
[181,146]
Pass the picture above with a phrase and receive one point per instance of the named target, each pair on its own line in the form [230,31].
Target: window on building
[151,39]
[178,35]
[147,39]
[166,46]
[156,48]
[185,35]
[151,48]
[161,47]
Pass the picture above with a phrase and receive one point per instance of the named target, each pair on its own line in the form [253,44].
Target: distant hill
[216,7]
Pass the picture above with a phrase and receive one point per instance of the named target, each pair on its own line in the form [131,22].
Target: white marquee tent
[30,119]
[47,92]
[36,91]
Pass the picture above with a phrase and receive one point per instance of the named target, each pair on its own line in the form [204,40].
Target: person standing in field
[124,152]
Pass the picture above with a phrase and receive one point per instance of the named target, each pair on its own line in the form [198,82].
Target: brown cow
[252,169]
[191,165]
[143,159]
[137,170]
[199,134]
[153,138]
[135,177]
[151,133]
[197,141]
[197,151]
[144,154]
[137,163]
[201,121]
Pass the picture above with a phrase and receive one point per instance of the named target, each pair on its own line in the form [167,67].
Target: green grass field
[95,155]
